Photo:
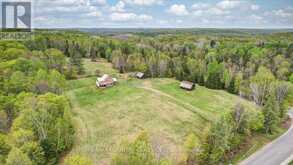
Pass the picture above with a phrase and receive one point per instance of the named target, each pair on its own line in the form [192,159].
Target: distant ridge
[154,31]
[180,30]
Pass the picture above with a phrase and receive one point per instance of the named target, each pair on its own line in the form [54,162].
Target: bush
[138,152]
[4,148]
[77,160]
[291,78]
[191,145]
[17,157]
[21,137]
[35,153]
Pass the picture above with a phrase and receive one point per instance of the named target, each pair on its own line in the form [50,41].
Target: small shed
[139,75]
[187,85]
[105,81]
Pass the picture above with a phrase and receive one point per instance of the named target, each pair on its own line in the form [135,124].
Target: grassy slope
[105,117]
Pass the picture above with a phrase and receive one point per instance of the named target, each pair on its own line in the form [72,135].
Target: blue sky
[163,13]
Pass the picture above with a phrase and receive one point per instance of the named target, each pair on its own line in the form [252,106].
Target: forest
[36,126]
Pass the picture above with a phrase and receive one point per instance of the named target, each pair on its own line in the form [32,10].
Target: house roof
[186,85]
[139,74]
[106,79]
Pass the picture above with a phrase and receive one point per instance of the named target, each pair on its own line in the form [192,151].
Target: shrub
[17,157]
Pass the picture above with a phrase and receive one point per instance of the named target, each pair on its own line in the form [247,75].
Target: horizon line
[248,28]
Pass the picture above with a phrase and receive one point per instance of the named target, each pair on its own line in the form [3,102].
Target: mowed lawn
[105,117]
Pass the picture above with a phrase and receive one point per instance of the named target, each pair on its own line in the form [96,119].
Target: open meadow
[105,117]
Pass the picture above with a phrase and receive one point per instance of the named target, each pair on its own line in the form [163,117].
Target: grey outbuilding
[187,85]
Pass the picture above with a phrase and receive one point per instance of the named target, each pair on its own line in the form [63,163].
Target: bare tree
[281,90]
[258,93]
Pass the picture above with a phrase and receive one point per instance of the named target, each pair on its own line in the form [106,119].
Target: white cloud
[205,21]
[216,11]
[144,2]
[58,3]
[94,14]
[200,6]
[79,13]
[282,13]
[63,7]
[144,17]
[163,22]
[41,19]
[256,17]
[98,2]
[198,13]
[65,13]
[223,8]
[119,7]
[258,20]
[124,17]
[254,7]
[229,4]
[179,10]
[208,10]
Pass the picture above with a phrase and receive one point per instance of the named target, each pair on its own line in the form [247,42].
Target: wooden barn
[187,85]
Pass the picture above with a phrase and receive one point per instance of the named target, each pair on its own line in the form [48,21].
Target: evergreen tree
[271,115]
[76,59]
[66,52]
[291,78]
[231,87]
[93,53]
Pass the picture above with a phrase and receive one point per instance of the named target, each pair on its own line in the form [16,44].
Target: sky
[162,13]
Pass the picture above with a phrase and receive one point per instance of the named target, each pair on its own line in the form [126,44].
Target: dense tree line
[222,63]
[35,120]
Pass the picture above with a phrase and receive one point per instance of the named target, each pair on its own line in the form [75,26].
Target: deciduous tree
[261,84]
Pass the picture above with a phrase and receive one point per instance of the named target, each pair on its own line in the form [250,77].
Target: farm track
[147,86]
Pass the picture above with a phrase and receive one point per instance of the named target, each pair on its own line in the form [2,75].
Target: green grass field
[105,117]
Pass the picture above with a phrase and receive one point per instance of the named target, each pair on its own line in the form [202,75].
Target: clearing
[105,117]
